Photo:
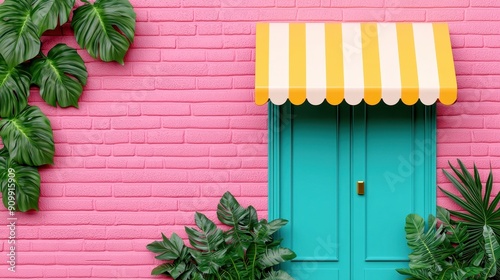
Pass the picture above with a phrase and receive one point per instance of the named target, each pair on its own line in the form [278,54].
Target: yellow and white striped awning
[355,62]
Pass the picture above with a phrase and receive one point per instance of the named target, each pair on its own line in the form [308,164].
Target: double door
[346,177]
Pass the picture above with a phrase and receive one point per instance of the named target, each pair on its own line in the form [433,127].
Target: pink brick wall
[176,127]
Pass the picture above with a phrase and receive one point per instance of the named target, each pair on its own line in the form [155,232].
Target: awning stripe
[262,64]
[371,63]
[390,72]
[298,82]
[354,61]
[446,69]
[334,64]
[278,63]
[408,63]
[316,63]
[428,77]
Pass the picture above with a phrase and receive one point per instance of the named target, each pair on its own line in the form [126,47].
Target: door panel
[382,273]
[311,198]
[315,271]
[384,140]
[313,174]
[323,151]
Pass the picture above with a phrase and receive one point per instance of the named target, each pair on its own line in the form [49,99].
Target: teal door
[318,154]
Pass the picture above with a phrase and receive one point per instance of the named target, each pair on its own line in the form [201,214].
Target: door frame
[276,122]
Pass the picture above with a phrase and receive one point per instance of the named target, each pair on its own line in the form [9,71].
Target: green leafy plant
[465,245]
[437,252]
[104,28]
[479,209]
[245,251]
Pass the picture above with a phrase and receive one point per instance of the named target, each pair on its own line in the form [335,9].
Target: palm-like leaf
[28,137]
[209,239]
[492,249]
[192,273]
[450,272]
[46,14]
[19,40]
[417,274]
[236,268]
[105,28]
[252,254]
[437,253]
[60,75]
[276,256]
[172,250]
[426,246]
[161,269]
[457,232]
[14,89]
[454,273]
[263,231]
[475,200]
[173,269]
[25,181]
[210,262]
[230,213]
[252,217]
[197,276]
[168,249]
[468,272]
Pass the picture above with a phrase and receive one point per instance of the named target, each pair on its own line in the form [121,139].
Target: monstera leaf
[19,40]
[28,137]
[105,29]
[47,14]
[61,76]
[14,89]
[18,181]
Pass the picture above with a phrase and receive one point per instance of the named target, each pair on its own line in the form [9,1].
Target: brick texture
[172,130]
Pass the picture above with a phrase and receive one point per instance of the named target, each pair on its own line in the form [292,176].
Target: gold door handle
[361,187]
